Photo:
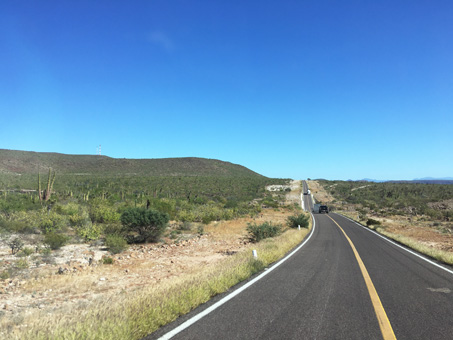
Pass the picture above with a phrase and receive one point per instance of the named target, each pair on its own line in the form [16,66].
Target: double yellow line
[384,322]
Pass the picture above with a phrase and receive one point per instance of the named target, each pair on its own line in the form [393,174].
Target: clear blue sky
[320,89]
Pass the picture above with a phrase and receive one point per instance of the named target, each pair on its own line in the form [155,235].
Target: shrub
[115,229]
[55,241]
[301,220]
[270,202]
[186,226]
[70,208]
[15,244]
[26,251]
[77,220]
[45,251]
[4,275]
[148,224]
[22,264]
[89,231]
[51,223]
[372,222]
[115,243]
[104,214]
[107,260]
[262,231]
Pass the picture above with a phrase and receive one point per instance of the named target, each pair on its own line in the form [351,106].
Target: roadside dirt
[319,193]
[69,280]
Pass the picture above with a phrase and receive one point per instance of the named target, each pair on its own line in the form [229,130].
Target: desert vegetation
[417,215]
[432,201]
[69,240]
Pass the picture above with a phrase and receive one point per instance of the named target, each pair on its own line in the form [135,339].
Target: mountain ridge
[30,162]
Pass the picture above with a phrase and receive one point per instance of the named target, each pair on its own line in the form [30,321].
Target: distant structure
[98,150]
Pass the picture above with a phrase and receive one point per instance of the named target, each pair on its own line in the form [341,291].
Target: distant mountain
[426,180]
[371,180]
[434,179]
[28,162]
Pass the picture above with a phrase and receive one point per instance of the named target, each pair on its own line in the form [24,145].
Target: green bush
[26,251]
[51,223]
[115,229]
[5,275]
[22,264]
[70,208]
[107,260]
[372,222]
[115,243]
[301,220]
[89,231]
[147,224]
[186,226]
[55,241]
[262,231]
[78,220]
[270,202]
[104,214]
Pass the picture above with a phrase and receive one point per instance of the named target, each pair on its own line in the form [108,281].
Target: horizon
[288,90]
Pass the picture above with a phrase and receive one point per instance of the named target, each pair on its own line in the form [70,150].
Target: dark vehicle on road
[323,209]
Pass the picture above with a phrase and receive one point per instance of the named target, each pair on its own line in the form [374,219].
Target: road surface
[320,292]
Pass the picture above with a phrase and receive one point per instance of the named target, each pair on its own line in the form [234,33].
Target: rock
[102,279]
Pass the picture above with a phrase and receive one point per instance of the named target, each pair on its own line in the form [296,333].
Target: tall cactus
[39,187]
[50,182]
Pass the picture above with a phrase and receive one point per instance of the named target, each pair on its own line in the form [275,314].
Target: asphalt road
[320,293]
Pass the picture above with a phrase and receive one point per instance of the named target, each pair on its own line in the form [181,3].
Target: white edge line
[396,244]
[219,303]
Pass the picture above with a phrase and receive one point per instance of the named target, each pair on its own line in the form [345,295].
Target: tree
[148,224]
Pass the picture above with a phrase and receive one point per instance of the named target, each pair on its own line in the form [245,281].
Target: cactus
[39,187]
[50,181]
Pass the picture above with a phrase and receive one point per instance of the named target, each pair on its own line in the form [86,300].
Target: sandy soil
[68,281]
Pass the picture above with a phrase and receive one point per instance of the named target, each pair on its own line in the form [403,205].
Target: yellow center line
[384,322]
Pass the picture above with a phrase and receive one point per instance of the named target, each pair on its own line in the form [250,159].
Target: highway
[344,283]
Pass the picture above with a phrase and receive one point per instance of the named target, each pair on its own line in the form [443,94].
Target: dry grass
[319,193]
[438,254]
[132,316]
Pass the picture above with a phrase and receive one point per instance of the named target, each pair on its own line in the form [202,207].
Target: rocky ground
[77,275]
[71,280]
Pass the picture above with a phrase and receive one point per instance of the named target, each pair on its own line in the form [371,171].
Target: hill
[27,162]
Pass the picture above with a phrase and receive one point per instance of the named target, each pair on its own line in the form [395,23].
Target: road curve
[320,293]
